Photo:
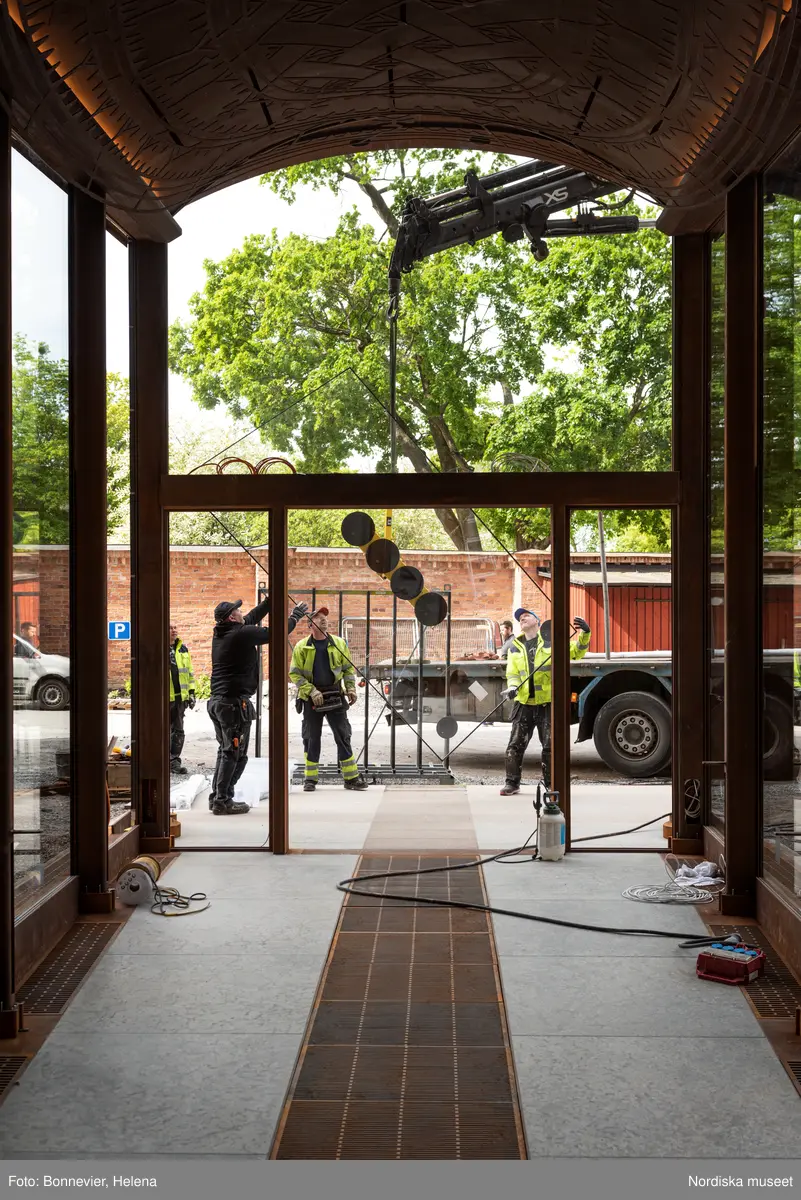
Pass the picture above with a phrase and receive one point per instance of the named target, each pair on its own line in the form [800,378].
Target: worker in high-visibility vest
[182,696]
[528,680]
[324,675]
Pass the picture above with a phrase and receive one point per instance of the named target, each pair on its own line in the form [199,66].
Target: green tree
[280,317]
[40,445]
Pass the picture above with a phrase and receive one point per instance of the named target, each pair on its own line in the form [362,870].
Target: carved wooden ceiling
[160,103]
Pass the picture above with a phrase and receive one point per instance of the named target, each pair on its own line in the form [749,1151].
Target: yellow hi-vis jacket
[186,679]
[302,666]
[537,689]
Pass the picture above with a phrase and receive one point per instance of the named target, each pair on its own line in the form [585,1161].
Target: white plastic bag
[253,787]
[183,794]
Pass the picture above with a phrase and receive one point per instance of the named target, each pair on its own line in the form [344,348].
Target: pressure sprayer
[551,827]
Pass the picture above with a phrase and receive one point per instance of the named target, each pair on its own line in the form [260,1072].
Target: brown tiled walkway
[407,1053]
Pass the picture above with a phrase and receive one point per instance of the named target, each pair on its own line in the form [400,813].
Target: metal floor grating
[778,993]
[10,1067]
[794,1070]
[407,1053]
[55,981]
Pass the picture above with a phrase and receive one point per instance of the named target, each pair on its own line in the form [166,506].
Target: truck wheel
[632,734]
[777,740]
[53,695]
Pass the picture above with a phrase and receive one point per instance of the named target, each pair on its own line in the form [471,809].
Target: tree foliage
[40,445]
[281,318]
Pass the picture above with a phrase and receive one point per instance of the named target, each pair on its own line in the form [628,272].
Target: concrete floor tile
[620,997]
[515,936]
[109,1093]
[578,876]
[209,993]
[233,927]
[630,1097]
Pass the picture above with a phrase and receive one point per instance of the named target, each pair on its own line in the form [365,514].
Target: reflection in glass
[715,775]
[40,448]
[781,570]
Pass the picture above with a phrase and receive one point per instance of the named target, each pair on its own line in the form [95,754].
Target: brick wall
[487,585]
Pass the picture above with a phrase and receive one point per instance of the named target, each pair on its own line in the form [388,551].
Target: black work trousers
[312,732]
[231,720]
[177,736]
[525,719]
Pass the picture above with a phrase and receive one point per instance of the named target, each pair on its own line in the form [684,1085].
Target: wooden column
[742,550]
[560,661]
[278,733]
[9,1012]
[691,366]
[149,542]
[88,590]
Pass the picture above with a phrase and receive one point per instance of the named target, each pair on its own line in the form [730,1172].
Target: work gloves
[351,697]
[299,611]
[510,693]
[580,623]
[191,701]
[316,697]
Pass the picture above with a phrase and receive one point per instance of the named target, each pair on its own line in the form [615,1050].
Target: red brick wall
[482,585]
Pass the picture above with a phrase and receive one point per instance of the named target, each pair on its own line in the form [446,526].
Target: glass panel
[620,756]
[41,633]
[118,536]
[208,566]
[715,776]
[431,722]
[781,570]
[279,298]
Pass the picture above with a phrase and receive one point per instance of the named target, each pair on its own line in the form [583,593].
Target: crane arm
[516,203]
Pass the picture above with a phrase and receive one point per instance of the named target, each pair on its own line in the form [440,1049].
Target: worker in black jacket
[235,649]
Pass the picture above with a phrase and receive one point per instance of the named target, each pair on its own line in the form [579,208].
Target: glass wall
[118,556]
[215,557]
[430,721]
[622,687]
[781,520]
[41,632]
[278,309]
[715,788]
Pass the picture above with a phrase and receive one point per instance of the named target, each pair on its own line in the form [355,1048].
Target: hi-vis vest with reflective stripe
[537,689]
[302,666]
[186,680]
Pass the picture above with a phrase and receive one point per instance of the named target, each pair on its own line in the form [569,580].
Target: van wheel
[633,734]
[53,695]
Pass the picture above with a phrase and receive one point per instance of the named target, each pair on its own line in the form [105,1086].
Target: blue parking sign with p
[119,631]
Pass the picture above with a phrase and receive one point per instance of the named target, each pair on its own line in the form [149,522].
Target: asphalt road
[40,736]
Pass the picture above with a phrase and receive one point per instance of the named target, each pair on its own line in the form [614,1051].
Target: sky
[211,228]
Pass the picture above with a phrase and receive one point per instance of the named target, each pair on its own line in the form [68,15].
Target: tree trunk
[469,524]
[508,397]
[448,519]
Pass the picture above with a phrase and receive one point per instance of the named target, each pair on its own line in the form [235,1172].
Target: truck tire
[633,733]
[777,739]
[53,694]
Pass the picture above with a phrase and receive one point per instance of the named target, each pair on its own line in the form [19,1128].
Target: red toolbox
[730,964]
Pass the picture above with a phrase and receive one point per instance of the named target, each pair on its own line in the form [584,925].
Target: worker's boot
[356,785]
[510,789]
[309,785]
[229,808]
[177,769]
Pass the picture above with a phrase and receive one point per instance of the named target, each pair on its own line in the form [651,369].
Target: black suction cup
[382,556]
[406,583]
[431,609]
[447,727]
[358,528]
